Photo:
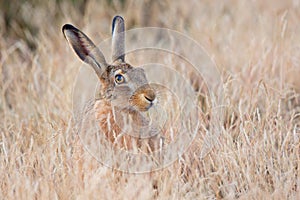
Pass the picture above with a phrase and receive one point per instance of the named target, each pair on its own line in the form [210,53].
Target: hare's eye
[119,79]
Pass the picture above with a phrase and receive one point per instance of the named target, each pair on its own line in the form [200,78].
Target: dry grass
[256,46]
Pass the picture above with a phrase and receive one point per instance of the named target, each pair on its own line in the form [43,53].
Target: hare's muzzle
[143,98]
[150,96]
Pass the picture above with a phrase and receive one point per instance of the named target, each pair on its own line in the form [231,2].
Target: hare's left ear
[85,48]
[118,39]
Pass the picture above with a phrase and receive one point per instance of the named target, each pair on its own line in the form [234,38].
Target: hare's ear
[118,39]
[85,48]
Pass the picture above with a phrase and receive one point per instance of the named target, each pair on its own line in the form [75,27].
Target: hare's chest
[114,129]
[108,125]
[105,119]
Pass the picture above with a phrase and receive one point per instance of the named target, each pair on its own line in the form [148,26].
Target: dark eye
[119,79]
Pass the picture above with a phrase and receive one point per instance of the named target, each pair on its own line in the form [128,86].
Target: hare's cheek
[122,93]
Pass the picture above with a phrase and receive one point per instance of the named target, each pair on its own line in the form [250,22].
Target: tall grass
[256,46]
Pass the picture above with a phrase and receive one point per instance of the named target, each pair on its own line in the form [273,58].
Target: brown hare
[125,94]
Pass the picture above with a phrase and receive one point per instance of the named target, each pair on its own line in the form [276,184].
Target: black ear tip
[116,19]
[68,27]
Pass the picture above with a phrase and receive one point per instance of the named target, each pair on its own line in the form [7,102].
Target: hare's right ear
[85,48]
[118,39]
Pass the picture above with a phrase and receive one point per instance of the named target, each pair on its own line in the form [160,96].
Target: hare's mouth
[144,98]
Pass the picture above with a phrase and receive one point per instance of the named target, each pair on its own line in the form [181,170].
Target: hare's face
[128,87]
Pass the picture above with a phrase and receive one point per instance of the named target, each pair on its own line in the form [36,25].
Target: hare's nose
[150,95]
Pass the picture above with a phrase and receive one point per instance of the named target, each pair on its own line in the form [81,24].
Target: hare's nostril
[150,96]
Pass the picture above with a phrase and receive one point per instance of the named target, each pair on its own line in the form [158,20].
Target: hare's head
[122,84]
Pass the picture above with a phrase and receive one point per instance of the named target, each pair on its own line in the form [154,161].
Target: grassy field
[256,47]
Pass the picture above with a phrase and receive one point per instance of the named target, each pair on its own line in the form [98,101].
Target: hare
[125,94]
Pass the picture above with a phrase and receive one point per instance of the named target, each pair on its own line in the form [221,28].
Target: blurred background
[227,27]
[250,41]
